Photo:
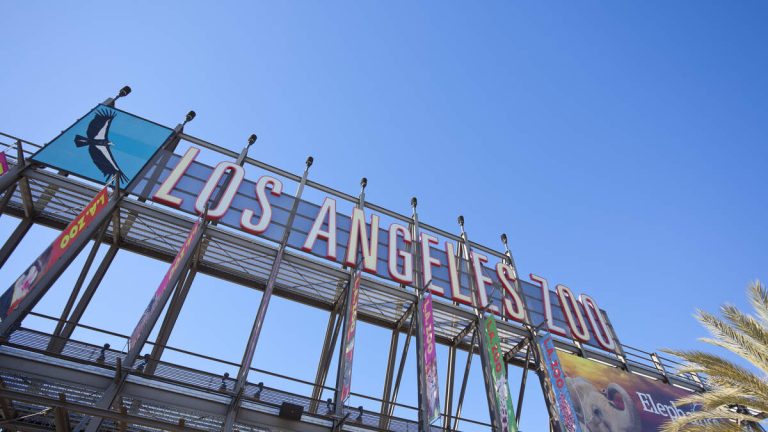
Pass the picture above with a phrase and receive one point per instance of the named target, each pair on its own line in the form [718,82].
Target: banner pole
[258,322]
[350,316]
[421,286]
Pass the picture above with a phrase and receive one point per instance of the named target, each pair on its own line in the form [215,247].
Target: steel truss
[41,371]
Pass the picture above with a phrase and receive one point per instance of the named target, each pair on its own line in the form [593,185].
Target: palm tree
[736,393]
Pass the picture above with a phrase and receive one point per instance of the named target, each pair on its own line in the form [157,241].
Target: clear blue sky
[621,145]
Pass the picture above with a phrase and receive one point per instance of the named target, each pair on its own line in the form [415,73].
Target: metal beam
[5,404]
[46,279]
[401,368]
[329,344]
[78,284]
[90,290]
[391,359]
[94,411]
[61,417]
[179,296]
[266,297]
[462,392]
[449,385]
[13,241]
[7,197]
[521,394]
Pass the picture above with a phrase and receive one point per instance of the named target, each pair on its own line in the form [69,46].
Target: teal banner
[104,143]
[498,373]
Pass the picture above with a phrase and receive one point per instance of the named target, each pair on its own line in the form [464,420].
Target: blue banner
[104,143]
[563,403]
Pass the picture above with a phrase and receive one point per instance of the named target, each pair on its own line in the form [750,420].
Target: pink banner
[430,358]
[349,348]
[3,164]
[164,284]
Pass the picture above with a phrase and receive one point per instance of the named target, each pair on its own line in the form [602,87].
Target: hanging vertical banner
[562,397]
[349,348]
[498,375]
[154,303]
[430,358]
[68,239]
[3,163]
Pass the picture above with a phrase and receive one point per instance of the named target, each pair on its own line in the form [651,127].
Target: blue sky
[621,146]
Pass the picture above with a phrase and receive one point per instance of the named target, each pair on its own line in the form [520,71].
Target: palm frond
[758,296]
[732,387]
[736,339]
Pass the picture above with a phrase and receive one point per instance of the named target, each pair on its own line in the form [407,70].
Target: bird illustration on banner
[98,143]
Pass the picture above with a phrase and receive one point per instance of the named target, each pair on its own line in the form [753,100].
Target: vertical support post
[7,198]
[179,296]
[13,241]
[470,353]
[400,369]
[253,338]
[338,402]
[329,344]
[659,366]
[489,387]
[79,283]
[58,341]
[420,286]
[449,384]
[391,359]
[521,394]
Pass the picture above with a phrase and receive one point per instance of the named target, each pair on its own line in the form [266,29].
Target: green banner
[504,413]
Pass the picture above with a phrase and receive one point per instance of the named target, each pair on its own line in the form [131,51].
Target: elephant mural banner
[606,398]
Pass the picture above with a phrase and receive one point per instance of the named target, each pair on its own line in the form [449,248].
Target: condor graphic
[99,144]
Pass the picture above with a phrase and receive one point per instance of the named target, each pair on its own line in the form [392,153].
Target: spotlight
[259,389]
[223,386]
[102,355]
[125,91]
[252,139]
[190,116]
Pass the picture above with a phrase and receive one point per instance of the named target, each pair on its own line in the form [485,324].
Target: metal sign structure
[369,265]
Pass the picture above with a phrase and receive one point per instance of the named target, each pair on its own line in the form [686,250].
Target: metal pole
[338,402]
[420,286]
[90,290]
[45,282]
[470,353]
[133,352]
[80,281]
[253,338]
[13,241]
[179,296]
[391,359]
[329,344]
[521,394]
[7,198]
[401,368]
[489,389]
[449,384]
